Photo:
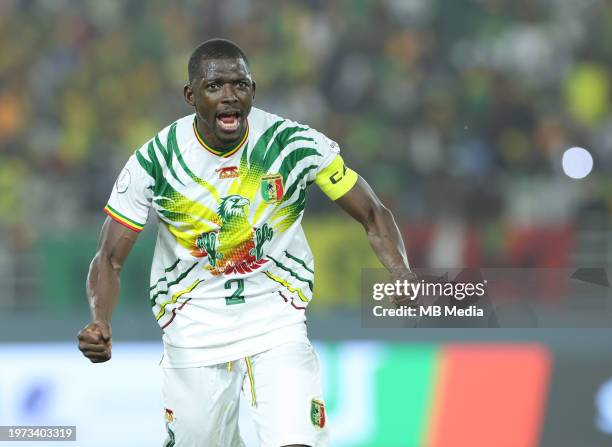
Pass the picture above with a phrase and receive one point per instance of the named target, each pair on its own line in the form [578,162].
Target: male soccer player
[232,272]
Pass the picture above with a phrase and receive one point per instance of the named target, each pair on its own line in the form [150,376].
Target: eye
[213,85]
[242,84]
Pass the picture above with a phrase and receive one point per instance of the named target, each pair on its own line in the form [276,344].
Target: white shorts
[282,386]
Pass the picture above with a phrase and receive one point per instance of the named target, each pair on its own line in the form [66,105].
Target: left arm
[384,236]
[355,196]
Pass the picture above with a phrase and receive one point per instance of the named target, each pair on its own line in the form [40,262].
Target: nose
[229,96]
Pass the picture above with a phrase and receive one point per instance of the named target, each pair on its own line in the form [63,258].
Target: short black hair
[214,49]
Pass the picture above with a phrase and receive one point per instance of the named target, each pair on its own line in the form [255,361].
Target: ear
[254,88]
[188,94]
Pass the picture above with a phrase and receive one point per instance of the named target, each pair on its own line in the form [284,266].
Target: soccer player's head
[221,90]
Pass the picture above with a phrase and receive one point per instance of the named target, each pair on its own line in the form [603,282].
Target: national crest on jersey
[272,188]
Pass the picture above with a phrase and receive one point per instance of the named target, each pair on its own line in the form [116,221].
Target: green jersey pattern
[226,218]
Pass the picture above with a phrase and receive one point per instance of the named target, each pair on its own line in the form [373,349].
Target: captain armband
[336,179]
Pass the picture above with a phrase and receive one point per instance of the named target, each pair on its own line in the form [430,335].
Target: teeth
[229,126]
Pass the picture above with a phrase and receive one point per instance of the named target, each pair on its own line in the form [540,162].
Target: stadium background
[457,112]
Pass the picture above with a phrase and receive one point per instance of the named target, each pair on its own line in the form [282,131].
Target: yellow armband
[336,179]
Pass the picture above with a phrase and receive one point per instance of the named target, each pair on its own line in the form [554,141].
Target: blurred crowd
[457,112]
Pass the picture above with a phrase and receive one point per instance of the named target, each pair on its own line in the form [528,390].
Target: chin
[226,137]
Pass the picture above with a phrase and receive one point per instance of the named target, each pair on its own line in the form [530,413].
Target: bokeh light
[577,162]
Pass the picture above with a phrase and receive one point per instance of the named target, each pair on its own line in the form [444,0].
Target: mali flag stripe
[123,220]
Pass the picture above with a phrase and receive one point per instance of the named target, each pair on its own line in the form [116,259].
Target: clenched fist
[404,276]
[95,341]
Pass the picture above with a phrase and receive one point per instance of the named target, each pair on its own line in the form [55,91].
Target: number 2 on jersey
[237,297]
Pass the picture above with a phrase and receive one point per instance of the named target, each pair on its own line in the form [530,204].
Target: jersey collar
[227,153]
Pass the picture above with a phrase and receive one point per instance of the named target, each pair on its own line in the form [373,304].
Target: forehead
[224,69]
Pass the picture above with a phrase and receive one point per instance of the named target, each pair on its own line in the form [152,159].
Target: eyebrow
[222,79]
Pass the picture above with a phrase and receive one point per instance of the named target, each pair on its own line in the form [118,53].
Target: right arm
[116,242]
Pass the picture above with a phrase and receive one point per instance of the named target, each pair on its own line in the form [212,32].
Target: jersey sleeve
[131,197]
[333,176]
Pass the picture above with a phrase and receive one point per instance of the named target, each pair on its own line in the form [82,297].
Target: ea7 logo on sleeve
[123,182]
[317,413]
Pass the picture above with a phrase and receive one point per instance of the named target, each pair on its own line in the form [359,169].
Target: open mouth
[229,121]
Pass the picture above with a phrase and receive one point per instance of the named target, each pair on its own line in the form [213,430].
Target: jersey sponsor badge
[169,415]
[272,188]
[123,181]
[317,413]
[228,172]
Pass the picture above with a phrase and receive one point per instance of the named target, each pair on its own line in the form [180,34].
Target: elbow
[115,264]
[377,212]
[102,268]
[109,260]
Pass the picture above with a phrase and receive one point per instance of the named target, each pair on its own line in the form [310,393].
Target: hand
[403,275]
[95,341]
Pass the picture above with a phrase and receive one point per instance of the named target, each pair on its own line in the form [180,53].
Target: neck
[210,140]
